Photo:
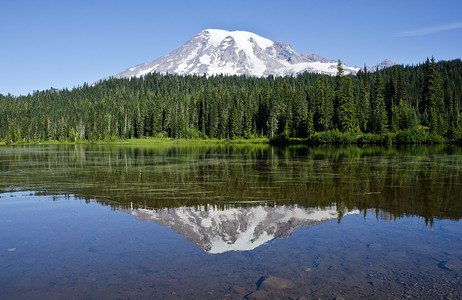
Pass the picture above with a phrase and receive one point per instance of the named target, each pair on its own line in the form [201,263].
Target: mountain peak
[386,63]
[217,51]
[216,36]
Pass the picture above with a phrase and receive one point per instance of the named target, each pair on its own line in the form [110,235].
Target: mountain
[386,63]
[236,229]
[214,52]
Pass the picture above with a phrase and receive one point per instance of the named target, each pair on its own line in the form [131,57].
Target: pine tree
[337,91]
[235,123]
[413,118]
[433,98]
[403,115]
[212,131]
[394,125]
[379,119]
[299,114]
[390,99]
[364,107]
[247,129]
[339,75]
[433,121]
[310,124]
[324,106]
[400,89]
[347,112]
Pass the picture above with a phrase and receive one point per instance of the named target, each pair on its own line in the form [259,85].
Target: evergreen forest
[407,104]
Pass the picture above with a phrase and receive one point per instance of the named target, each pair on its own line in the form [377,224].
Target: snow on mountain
[215,51]
[236,229]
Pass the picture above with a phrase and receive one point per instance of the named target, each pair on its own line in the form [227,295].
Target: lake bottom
[61,247]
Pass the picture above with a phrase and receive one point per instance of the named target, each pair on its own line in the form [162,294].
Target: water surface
[188,222]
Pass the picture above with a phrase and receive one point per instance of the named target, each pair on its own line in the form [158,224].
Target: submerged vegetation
[413,104]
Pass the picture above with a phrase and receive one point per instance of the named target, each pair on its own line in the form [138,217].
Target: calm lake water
[228,222]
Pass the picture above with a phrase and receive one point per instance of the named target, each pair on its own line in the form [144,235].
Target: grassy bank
[263,140]
[146,141]
[417,136]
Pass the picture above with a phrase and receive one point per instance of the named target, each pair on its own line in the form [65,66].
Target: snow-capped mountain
[236,229]
[215,51]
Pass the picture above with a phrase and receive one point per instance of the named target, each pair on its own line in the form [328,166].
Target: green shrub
[333,137]
[418,136]
[377,139]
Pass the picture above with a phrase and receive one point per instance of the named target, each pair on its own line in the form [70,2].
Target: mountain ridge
[216,51]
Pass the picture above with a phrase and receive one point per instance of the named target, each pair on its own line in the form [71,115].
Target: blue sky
[66,43]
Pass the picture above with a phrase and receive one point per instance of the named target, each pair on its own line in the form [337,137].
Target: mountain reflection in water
[236,229]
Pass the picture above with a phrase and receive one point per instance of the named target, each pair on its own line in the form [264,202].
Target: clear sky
[66,43]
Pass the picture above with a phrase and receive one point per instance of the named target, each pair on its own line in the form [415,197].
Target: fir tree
[432,97]
[310,124]
[347,113]
[338,77]
[324,106]
[379,119]
[364,107]
[403,115]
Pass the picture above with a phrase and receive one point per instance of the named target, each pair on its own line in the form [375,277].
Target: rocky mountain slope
[214,52]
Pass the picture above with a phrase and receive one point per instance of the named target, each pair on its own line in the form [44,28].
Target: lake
[183,221]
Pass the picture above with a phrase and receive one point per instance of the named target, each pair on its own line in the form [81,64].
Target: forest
[400,104]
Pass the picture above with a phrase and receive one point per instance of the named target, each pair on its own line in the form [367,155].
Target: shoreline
[414,136]
[145,141]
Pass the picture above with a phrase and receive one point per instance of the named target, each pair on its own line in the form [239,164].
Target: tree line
[426,96]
